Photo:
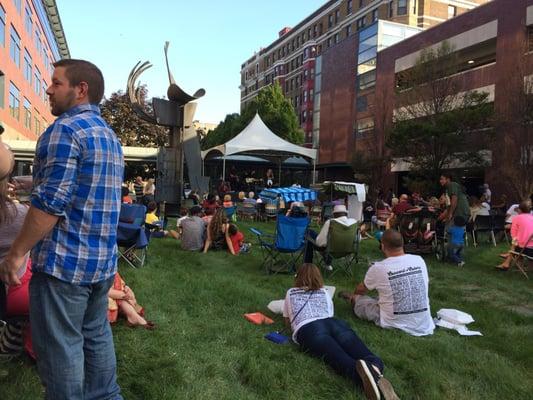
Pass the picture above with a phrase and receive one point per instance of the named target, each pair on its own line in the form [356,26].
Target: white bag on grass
[457,320]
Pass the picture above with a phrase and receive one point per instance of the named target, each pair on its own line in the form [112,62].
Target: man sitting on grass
[193,230]
[401,281]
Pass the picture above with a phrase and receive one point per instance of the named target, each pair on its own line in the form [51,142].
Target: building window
[452,11]
[329,43]
[530,38]
[337,16]
[2,26]
[391,9]
[315,30]
[362,104]
[361,23]
[45,96]
[27,114]
[365,126]
[37,83]
[37,125]
[330,20]
[320,29]
[14,101]
[361,3]
[402,7]
[375,15]
[27,66]
[18,5]
[38,41]
[28,22]
[305,97]
[348,30]
[349,7]
[14,49]
[2,88]
[336,38]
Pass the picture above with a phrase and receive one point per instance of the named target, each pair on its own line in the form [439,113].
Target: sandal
[502,268]
[148,326]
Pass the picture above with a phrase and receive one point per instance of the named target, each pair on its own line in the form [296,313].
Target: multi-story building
[31,40]
[322,48]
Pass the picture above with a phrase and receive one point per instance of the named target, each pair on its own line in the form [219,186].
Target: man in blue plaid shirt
[71,229]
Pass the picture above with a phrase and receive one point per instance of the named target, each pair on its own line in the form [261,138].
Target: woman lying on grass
[308,310]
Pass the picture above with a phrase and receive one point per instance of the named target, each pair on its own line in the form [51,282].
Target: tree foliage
[132,130]
[275,110]
[436,125]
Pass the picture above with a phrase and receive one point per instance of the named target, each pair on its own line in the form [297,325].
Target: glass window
[45,96]
[391,9]
[366,66]
[364,45]
[348,30]
[452,11]
[336,38]
[370,31]
[367,55]
[37,82]
[366,80]
[330,20]
[37,124]
[2,26]
[27,66]
[2,88]
[14,101]
[337,16]
[361,23]
[362,103]
[349,7]
[14,49]
[375,15]
[37,41]
[28,22]
[402,7]
[18,5]
[365,125]
[27,114]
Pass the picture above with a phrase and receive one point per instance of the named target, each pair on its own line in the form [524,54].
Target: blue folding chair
[283,250]
[132,237]
[230,212]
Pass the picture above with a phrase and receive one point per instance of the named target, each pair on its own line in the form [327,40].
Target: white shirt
[488,194]
[511,212]
[314,305]
[484,210]
[322,238]
[402,284]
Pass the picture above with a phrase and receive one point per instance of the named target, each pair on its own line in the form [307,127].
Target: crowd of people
[60,287]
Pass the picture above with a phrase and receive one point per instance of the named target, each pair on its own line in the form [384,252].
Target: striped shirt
[77,176]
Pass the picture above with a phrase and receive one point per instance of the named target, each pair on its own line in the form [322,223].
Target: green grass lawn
[203,348]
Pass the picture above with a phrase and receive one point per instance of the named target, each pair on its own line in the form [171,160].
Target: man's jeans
[334,341]
[72,339]
[455,252]
[310,248]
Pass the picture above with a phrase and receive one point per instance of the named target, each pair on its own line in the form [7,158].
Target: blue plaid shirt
[77,175]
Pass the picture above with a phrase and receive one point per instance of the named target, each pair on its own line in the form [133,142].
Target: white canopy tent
[258,139]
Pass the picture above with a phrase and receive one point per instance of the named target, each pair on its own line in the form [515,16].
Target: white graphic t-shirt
[314,305]
[402,284]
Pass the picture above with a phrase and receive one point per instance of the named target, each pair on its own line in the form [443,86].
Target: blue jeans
[310,248]
[455,252]
[72,339]
[334,341]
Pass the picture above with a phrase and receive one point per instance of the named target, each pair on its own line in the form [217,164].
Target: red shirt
[236,241]
[401,207]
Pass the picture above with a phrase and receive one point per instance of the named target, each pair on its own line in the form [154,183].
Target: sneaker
[461,264]
[329,267]
[370,384]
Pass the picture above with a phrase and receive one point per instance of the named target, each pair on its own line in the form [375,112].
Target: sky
[209,40]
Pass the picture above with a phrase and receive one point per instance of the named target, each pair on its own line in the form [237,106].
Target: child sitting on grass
[457,240]
[237,241]
[152,219]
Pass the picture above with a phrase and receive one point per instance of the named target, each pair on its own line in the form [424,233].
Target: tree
[515,121]
[436,126]
[132,130]
[275,110]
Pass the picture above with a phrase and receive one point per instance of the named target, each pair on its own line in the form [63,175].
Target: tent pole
[224,169]
[314,170]
[279,172]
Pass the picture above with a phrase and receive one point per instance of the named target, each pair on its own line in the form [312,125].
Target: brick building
[31,40]
[493,46]
[316,61]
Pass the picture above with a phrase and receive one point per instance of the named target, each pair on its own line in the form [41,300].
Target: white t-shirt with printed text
[402,284]
[314,305]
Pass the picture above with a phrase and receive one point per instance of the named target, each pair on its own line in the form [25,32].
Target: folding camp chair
[271,211]
[498,226]
[343,246]
[132,239]
[521,260]
[230,212]
[248,211]
[483,223]
[283,250]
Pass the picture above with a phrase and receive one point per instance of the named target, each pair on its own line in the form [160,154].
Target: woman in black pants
[308,310]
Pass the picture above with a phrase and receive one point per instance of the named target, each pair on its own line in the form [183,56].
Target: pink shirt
[522,229]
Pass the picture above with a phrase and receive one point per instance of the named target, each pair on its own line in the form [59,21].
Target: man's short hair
[392,239]
[447,175]
[195,210]
[78,71]
[152,206]
[525,207]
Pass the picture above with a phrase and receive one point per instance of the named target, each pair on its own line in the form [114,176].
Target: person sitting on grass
[193,230]
[457,241]
[308,311]
[152,219]
[210,203]
[217,232]
[122,301]
[521,231]
[126,199]
[208,215]
[227,201]
[402,283]
[237,241]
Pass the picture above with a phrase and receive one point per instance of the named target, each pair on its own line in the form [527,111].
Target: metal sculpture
[177,114]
